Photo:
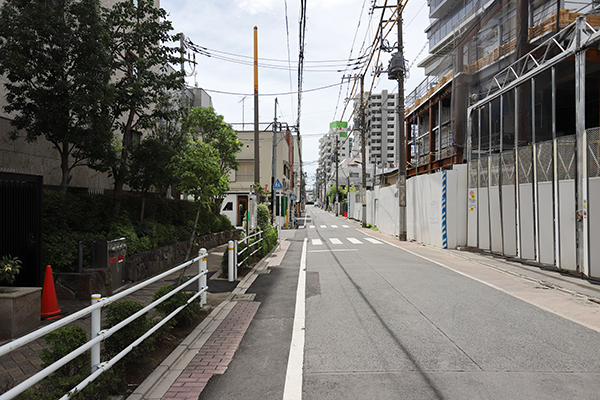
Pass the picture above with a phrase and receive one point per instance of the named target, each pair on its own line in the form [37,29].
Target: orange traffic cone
[49,304]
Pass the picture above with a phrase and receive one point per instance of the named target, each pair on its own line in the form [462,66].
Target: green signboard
[339,126]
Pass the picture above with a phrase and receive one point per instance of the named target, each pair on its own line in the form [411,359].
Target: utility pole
[337,164]
[396,71]
[363,141]
[401,136]
[274,166]
[256,135]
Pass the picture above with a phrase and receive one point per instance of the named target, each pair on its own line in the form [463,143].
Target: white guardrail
[251,249]
[97,335]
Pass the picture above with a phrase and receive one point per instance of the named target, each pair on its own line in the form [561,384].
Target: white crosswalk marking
[374,241]
[312,226]
[355,241]
[345,226]
[334,226]
[316,242]
[323,226]
[335,241]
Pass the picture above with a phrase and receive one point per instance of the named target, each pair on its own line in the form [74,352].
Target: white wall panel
[472,217]
[509,220]
[495,219]
[546,223]
[594,225]
[484,219]
[526,222]
[456,206]
[568,241]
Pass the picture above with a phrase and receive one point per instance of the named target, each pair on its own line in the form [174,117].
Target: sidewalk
[209,349]
[545,277]
[20,364]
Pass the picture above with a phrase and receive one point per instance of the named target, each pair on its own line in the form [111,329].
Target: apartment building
[327,153]
[381,119]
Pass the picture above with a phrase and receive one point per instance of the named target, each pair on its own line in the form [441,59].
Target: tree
[55,57]
[198,171]
[210,127]
[142,78]
[151,158]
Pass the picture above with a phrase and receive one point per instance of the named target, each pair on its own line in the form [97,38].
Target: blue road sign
[277,185]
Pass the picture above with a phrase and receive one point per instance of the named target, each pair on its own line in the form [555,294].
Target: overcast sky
[336,31]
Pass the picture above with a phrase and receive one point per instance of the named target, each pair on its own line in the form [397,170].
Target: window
[245,172]
[228,206]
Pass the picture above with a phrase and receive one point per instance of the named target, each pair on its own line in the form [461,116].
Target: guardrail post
[235,259]
[95,329]
[202,267]
[278,236]
[231,260]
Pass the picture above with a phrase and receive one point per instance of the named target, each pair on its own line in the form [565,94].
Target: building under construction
[513,89]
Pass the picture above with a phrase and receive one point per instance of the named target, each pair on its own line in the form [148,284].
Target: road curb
[161,379]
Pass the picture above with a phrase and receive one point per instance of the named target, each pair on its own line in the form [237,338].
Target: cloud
[255,7]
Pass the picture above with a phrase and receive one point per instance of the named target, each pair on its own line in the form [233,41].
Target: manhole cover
[244,297]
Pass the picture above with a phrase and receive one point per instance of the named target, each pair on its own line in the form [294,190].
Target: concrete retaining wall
[74,286]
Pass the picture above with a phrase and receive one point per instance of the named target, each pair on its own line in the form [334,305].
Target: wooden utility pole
[256,136]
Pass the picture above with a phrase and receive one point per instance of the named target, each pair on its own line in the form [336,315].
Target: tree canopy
[142,77]
[55,57]
[205,124]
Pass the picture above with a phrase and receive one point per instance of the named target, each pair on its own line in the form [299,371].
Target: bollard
[95,329]
[202,267]
[278,237]
[235,259]
[230,259]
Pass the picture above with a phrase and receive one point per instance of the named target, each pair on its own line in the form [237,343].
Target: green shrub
[117,312]
[62,342]
[263,218]
[185,317]
[70,218]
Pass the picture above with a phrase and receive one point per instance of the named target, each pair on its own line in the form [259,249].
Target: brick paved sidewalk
[215,355]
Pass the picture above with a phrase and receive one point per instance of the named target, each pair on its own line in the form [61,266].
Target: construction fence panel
[472,206]
[509,231]
[566,170]
[545,203]
[525,199]
[593,212]
[387,213]
[495,209]
[483,216]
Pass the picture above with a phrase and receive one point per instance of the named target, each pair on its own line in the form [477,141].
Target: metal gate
[21,217]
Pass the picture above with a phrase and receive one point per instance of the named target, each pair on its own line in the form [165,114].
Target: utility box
[111,254]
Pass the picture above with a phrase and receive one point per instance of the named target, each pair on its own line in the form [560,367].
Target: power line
[273,94]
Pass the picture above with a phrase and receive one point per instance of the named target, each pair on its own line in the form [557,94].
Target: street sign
[277,185]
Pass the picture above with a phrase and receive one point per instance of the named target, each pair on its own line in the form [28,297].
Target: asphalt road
[381,322]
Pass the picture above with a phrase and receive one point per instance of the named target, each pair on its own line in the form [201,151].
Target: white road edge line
[292,389]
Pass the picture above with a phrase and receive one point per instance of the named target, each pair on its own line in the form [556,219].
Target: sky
[336,31]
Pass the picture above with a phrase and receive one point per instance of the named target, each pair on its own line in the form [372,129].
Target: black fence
[21,221]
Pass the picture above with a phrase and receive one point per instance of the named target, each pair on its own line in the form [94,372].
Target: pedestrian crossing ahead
[330,226]
[319,242]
